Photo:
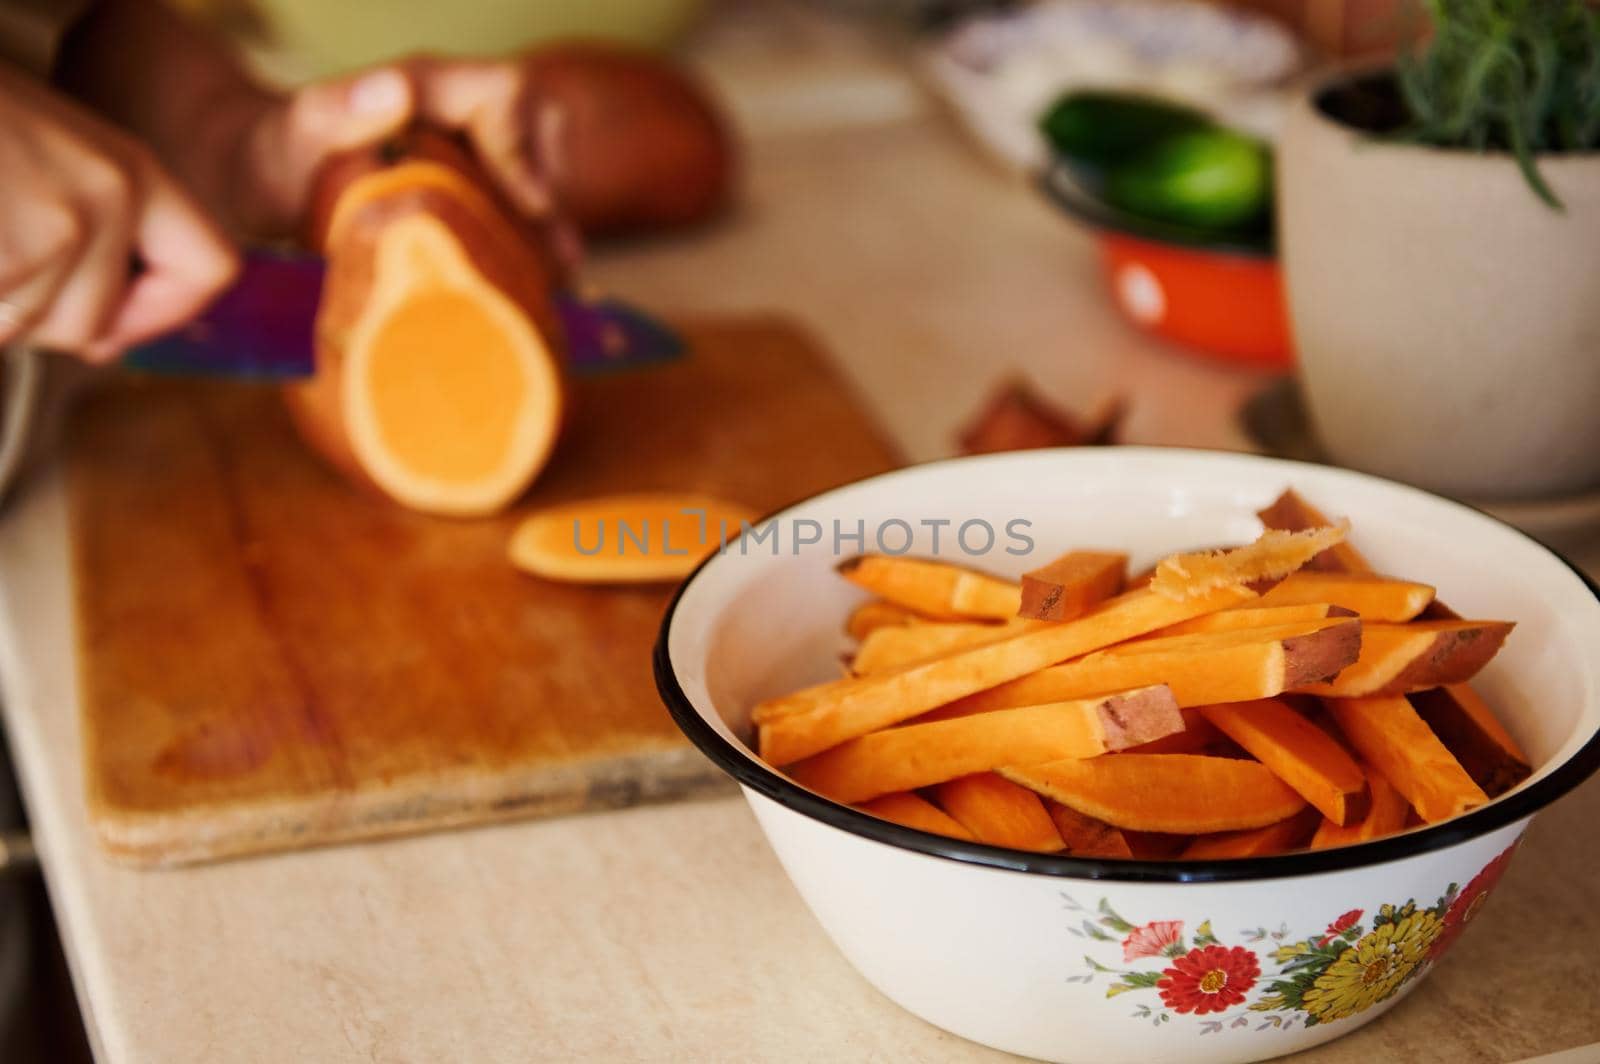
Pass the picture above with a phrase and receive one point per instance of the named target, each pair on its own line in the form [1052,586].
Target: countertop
[671,933]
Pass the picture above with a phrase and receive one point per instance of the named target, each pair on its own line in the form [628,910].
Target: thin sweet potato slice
[1469,730]
[920,755]
[654,537]
[1374,598]
[1288,834]
[809,722]
[1200,669]
[913,811]
[1255,617]
[1084,836]
[894,647]
[875,614]
[1386,815]
[1070,585]
[1182,794]
[1290,513]
[1401,658]
[1298,752]
[1387,732]
[1274,555]
[933,588]
[1000,813]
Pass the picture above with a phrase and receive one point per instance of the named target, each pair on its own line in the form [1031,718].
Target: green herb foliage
[1512,75]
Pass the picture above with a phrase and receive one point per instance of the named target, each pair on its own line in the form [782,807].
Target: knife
[262,328]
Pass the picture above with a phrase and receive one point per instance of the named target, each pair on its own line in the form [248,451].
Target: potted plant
[1440,230]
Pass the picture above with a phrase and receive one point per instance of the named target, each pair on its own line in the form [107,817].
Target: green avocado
[1098,130]
[1212,178]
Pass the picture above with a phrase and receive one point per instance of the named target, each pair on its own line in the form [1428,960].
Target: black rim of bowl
[771,784]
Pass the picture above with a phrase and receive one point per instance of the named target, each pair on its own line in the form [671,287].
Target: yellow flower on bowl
[1373,968]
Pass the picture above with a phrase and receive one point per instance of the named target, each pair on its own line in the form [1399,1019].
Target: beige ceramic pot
[1447,320]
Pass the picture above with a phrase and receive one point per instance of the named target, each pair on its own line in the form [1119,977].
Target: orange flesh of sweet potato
[1374,598]
[1182,794]
[1000,813]
[1297,752]
[1200,669]
[1254,617]
[1084,836]
[933,588]
[1400,658]
[876,613]
[1469,730]
[798,726]
[1462,720]
[1285,835]
[1386,815]
[1071,584]
[1290,513]
[643,538]
[1275,554]
[913,811]
[920,755]
[438,355]
[892,648]
[1387,732]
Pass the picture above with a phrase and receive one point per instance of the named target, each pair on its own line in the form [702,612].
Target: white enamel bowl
[996,945]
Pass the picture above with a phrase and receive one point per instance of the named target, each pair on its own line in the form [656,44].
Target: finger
[186,262]
[82,307]
[290,146]
[24,304]
[489,102]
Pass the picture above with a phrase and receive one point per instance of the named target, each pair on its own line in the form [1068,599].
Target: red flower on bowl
[1469,902]
[1341,925]
[1152,940]
[1209,979]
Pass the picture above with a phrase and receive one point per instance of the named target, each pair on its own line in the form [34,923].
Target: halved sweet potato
[920,755]
[808,722]
[1000,813]
[1401,658]
[1288,834]
[1374,598]
[1298,752]
[913,811]
[438,354]
[1386,814]
[1200,669]
[1469,730]
[934,588]
[1072,584]
[1387,732]
[1183,794]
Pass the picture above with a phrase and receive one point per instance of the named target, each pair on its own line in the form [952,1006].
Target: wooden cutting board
[271,659]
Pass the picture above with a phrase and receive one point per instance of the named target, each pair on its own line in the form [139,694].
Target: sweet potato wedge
[1200,669]
[934,588]
[1070,585]
[1290,513]
[876,613]
[1155,845]
[920,755]
[1298,752]
[1386,814]
[1374,598]
[1469,730]
[1183,794]
[1400,658]
[1254,617]
[809,722]
[1387,732]
[913,811]
[1274,555]
[1084,836]
[1288,834]
[1000,813]
[894,647]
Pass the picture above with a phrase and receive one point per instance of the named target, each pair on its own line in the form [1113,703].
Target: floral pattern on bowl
[1347,968]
